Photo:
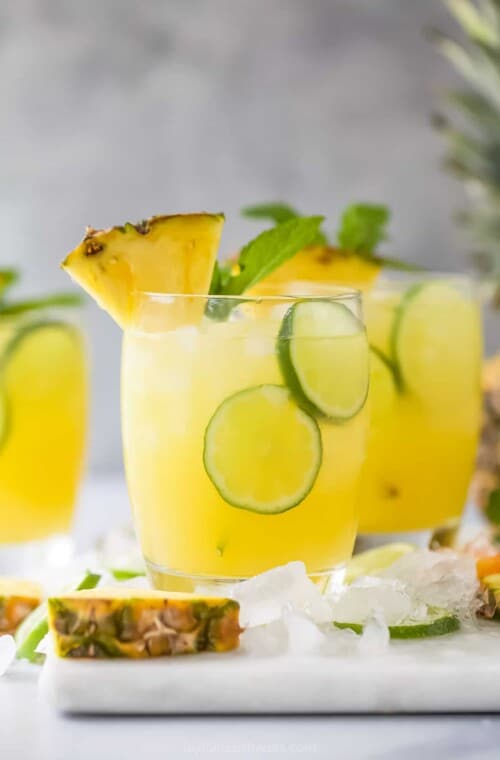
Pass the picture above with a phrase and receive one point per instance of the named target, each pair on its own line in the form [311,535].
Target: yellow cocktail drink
[43,410]
[244,426]
[425,403]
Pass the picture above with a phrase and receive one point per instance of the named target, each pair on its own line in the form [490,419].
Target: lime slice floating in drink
[262,452]
[433,626]
[433,318]
[323,355]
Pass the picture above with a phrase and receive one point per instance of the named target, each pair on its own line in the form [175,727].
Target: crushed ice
[283,611]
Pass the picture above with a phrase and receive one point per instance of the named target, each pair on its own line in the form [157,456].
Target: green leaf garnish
[258,259]
[33,304]
[362,227]
[276,212]
[8,277]
[492,510]
[269,250]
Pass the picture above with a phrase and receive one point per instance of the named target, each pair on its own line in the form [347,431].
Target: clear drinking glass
[43,420]
[244,426]
[425,403]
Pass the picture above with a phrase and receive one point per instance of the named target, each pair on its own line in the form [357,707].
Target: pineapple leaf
[493,507]
[473,21]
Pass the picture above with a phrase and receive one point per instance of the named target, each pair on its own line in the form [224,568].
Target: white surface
[459,672]
[30,728]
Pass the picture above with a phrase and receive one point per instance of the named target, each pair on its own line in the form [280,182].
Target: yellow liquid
[422,448]
[172,384]
[44,382]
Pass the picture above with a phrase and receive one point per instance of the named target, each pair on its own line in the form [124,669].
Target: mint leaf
[363,227]
[220,277]
[276,212]
[492,510]
[55,301]
[8,277]
[279,213]
[269,250]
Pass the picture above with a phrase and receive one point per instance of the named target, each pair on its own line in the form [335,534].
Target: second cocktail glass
[244,425]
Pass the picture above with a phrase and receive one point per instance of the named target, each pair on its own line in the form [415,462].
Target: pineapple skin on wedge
[107,623]
[164,254]
[17,599]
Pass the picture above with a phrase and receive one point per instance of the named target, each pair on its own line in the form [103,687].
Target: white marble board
[456,673]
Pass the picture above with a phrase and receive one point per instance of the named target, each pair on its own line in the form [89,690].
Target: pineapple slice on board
[137,624]
[164,254]
[17,599]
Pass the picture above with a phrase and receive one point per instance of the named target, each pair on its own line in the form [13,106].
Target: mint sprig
[363,227]
[278,213]
[492,510]
[268,251]
[258,259]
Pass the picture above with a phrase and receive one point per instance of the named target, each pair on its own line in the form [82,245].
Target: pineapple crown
[470,123]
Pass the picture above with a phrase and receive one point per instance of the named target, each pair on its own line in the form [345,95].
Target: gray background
[117,109]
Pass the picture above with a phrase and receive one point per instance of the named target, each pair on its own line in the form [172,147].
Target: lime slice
[373,560]
[435,626]
[436,341]
[35,626]
[121,574]
[262,452]
[383,386]
[323,355]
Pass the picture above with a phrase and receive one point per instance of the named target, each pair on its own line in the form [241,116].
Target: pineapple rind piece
[164,254]
[17,599]
[141,626]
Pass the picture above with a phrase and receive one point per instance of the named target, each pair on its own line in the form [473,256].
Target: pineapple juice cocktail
[244,424]
[425,404]
[43,411]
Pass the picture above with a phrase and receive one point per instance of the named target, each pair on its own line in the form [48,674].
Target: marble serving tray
[455,673]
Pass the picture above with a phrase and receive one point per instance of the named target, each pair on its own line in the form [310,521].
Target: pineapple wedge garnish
[136,623]
[164,254]
[17,599]
[321,265]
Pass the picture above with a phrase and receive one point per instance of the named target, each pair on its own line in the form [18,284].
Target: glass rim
[336,293]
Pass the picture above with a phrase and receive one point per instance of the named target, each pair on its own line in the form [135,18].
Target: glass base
[435,538]
[171,580]
[33,558]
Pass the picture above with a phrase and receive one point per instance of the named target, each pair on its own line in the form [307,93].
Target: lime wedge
[373,560]
[436,340]
[436,626]
[35,626]
[323,354]
[262,452]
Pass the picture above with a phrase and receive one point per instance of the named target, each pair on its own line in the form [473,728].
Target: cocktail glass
[425,401]
[244,427]
[43,420]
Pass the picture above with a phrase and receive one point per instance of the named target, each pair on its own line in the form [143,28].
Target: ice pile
[283,611]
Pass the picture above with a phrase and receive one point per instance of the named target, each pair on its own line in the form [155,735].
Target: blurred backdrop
[118,109]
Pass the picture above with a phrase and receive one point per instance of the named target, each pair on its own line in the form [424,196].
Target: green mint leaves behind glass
[363,226]
[258,259]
